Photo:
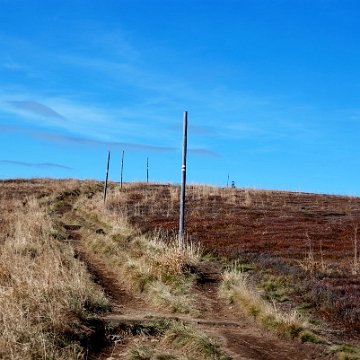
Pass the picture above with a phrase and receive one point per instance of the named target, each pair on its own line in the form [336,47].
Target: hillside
[297,250]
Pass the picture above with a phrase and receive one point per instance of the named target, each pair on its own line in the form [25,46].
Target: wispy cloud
[11,65]
[109,144]
[35,108]
[204,152]
[84,120]
[202,131]
[246,116]
[199,130]
[84,141]
[146,116]
[41,165]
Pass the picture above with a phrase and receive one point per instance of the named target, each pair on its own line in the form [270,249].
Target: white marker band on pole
[183,168]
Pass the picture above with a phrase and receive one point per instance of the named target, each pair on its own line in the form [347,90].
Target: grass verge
[345,351]
[236,288]
[46,295]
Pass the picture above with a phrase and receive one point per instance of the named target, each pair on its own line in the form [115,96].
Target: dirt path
[238,336]
[241,337]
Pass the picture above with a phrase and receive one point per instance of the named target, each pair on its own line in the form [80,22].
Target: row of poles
[183,180]
[121,172]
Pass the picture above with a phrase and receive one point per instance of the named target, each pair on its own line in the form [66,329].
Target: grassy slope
[46,295]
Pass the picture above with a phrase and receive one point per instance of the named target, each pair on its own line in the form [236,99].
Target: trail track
[239,336]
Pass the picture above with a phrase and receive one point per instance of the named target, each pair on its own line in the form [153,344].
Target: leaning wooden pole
[183,183]
[107,175]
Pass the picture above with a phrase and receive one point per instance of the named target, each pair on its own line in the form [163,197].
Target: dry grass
[45,293]
[149,265]
[193,342]
[174,340]
[236,288]
[345,351]
[311,236]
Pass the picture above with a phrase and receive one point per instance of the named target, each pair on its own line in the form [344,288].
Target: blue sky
[272,90]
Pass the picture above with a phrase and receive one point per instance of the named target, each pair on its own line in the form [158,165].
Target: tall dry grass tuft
[178,341]
[44,291]
[236,288]
[194,343]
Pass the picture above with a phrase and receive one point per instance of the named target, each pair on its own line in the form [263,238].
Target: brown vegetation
[46,295]
[290,260]
[312,237]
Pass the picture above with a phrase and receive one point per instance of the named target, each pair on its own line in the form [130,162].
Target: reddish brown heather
[312,236]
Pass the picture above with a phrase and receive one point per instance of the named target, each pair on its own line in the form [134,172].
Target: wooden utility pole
[107,175]
[183,183]
[121,171]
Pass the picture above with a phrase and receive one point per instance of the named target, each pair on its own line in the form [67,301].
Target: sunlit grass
[45,293]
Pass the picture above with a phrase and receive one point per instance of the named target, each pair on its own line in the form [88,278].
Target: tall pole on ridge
[107,174]
[183,182]
[121,171]
[147,170]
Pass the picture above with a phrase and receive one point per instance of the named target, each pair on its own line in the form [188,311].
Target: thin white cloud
[14,66]
[198,130]
[115,43]
[143,122]
[40,166]
[85,120]
[108,144]
[104,144]
[159,97]
[36,108]
[204,152]
[85,141]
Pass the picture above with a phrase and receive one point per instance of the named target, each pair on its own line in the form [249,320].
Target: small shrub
[166,357]
[194,342]
[176,299]
[312,338]
[141,353]
[346,351]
